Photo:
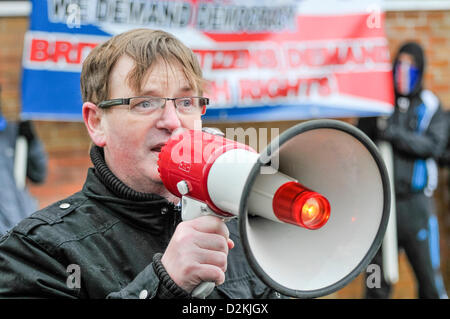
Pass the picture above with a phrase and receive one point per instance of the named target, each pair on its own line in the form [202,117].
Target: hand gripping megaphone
[313,206]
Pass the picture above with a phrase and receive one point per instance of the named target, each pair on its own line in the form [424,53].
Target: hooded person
[417,131]
[17,203]
[444,160]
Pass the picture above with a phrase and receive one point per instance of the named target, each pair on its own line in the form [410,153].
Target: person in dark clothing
[444,159]
[417,131]
[16,202]
[444,162]
[121,235]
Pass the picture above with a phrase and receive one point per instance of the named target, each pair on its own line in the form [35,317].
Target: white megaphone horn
[325,176]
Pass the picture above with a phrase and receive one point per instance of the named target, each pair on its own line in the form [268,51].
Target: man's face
[133,141]
[406,73]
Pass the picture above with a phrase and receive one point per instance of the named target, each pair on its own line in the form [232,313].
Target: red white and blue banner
[265,60]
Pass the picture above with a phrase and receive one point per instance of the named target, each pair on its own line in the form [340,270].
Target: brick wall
[68,143]
[12,31]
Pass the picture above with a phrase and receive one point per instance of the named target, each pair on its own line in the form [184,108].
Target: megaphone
[313,206]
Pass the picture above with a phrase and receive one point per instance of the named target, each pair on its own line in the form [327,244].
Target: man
[16,203]
[121,235]
[417,131]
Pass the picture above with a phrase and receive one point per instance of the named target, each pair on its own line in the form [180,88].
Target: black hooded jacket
[417,130]
[106,242]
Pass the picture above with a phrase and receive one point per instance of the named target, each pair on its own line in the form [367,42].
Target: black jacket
[417,131]
[113,236]
[444,160]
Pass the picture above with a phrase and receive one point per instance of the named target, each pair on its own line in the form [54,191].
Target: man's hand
[198,252]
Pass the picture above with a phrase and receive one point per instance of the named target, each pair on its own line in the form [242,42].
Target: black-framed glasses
[148,104]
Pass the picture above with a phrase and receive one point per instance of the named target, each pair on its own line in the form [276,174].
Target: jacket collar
[147,211]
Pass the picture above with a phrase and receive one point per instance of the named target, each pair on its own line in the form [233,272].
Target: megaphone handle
[203,290]
[190,209]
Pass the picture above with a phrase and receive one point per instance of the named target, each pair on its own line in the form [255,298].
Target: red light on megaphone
[295,204]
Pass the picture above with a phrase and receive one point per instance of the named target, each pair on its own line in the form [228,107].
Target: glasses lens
[146,105]
[187,104]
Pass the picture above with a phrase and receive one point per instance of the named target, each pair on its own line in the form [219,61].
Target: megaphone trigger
[192,208]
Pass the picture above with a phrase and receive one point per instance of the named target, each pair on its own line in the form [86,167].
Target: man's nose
[169,117]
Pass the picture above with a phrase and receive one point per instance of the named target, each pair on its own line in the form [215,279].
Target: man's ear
[92,117]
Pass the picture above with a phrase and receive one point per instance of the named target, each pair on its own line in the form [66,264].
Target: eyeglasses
[144,105]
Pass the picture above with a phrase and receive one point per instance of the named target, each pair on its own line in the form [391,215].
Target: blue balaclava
[407,76]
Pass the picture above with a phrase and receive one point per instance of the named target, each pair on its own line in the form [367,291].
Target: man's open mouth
[157,148]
